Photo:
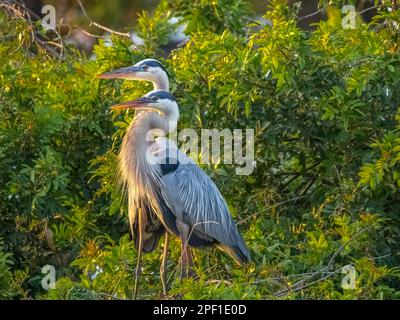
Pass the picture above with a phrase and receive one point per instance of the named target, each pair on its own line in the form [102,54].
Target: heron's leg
[183,229]
[138,270]
[163,267]
[191,272]
[183,259]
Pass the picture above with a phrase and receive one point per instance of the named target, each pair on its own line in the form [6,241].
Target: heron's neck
[162,83]
[171,118]
[140,136]
[134,165]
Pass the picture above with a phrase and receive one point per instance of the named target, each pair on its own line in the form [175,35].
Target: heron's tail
[238,252]
[242,255]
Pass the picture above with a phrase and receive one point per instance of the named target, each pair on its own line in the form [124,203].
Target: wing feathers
[196,201]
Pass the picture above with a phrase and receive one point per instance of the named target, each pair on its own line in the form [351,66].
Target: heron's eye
[145,67]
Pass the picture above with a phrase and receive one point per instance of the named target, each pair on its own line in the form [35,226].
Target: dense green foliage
[324,193]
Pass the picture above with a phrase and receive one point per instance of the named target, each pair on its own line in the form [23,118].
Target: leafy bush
[324,193]
[5,274]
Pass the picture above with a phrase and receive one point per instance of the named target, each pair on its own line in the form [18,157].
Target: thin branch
[267,208]
[309,185]
[17,10]
[298,174]
[313,14]
[316,281]
[302,284]
[88,33]
[331,261]
[91,22]
[290,276]
[113,297]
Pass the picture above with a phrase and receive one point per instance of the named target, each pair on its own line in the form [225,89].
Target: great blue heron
[172,189]
[150,70]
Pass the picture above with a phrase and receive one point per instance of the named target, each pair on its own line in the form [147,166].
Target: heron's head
[145,70]
[160,101]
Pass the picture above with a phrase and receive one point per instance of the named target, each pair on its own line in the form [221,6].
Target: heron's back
[195,200]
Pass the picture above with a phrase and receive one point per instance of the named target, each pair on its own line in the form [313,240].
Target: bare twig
[330,274]
[17,10]
[269,207]
[381,257]
[309,185]
[304,283]
[290,276]
[88,33]
[313,14]
[113,297]
[104,28]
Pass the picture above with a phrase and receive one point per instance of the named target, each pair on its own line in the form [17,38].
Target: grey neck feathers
[140,178]
[134,165]
[162,83]
[171,117]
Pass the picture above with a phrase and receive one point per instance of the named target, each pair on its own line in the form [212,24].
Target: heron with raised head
[150,70]
[170,192]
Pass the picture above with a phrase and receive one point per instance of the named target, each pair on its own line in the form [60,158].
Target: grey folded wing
[195,200]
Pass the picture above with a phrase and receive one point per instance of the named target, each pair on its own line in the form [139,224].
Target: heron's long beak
[141,103]
[122,73]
